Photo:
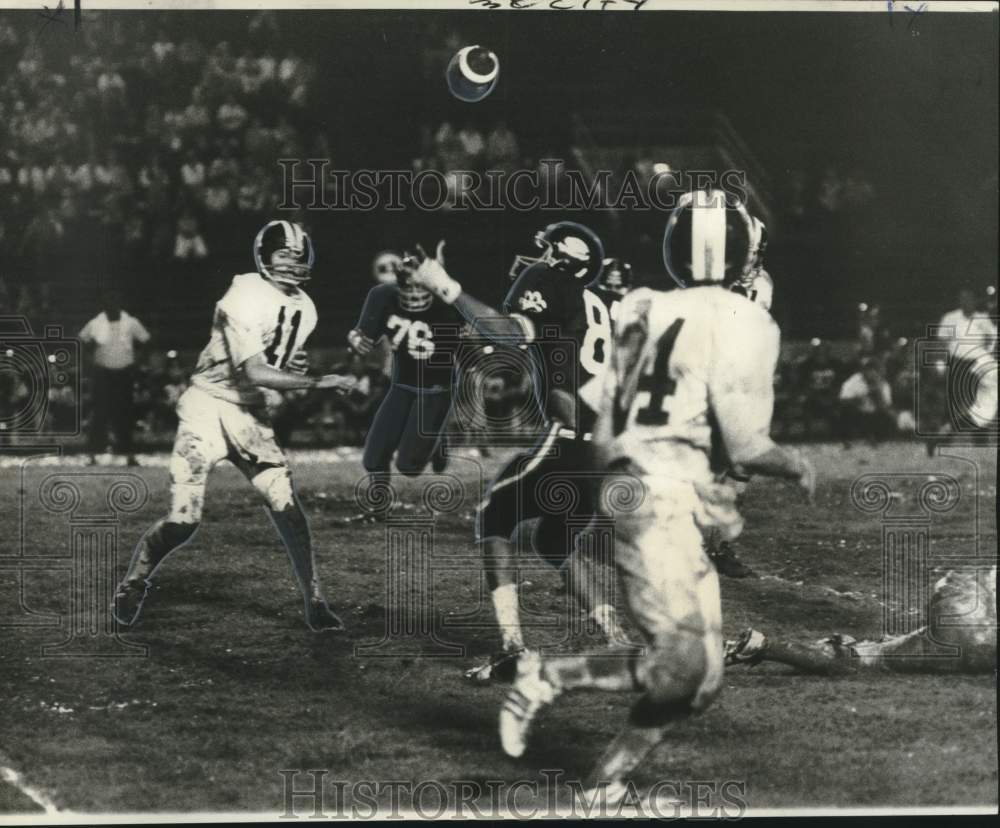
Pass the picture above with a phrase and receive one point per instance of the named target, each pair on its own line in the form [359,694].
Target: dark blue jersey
[424,343]
[571,338]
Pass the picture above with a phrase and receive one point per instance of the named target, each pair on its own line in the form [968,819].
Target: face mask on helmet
[759,290]
[759,243]
[572,248]
[385,267]
[708,240]
[283,253]
[616,276]
[412,297]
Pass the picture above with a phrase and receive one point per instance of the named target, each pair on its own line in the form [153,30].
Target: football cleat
[501,667]
[320,618]
[748,649]
[727,563]
[128,600]
[530,693]
[283,253]
[709,240]
[603,796]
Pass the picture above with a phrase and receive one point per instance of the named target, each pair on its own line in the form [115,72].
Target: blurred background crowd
[140,152]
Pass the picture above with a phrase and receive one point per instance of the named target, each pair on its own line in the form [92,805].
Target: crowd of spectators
[150,134]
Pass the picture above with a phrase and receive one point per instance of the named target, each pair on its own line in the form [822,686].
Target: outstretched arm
[502,328]
[264,375]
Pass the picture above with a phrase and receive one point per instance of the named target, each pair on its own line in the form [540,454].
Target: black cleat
[728,564]
[320,618]
[748,649]
[502,667]
[128,600]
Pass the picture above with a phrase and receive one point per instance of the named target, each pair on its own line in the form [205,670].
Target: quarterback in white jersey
[689,393]
[258,332]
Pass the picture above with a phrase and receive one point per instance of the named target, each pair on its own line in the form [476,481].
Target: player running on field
[553,310]
[689,394]
[260,327]
[424,334]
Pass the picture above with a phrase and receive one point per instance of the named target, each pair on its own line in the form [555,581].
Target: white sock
[606,618]
[508,617]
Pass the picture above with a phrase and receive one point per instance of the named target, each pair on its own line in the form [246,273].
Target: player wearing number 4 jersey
[258,332]
[424,336]
[552,309]
[689,393]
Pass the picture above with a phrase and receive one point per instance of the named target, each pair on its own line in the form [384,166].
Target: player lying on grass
[960,637]
[555,312]
[688,394]
[258,332]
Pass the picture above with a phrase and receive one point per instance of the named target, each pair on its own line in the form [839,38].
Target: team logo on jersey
[532,301]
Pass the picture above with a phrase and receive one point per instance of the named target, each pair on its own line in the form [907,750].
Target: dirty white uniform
[222,416]
[961,633]
[690,390]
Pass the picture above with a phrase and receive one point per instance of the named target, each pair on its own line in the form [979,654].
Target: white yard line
[39,797]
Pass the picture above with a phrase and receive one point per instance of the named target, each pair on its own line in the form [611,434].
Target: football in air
[472,73]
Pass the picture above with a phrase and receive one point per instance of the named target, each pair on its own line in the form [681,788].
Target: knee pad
[674,672]
[275,484]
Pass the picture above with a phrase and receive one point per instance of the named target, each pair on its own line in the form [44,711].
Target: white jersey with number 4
[691,390]
[254,317]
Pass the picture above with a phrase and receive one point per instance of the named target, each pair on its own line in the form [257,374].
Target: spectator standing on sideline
[866,404]
[113,335]
[971,336]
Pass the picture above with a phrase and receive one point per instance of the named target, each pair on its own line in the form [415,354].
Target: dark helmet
[708,240]
[412,297]
[294,247]
[569,247]
[616,276]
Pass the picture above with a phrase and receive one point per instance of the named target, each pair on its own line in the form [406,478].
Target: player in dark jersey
[553,310]
[424,335]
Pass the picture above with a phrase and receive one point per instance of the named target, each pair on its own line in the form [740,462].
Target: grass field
[234,688]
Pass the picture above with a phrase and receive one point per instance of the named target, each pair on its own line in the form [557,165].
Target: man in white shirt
[972,385]
[866,403]
[113,336]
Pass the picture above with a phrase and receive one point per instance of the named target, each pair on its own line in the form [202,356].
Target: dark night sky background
[914,107]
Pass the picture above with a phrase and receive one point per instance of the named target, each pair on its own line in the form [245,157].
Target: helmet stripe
[708,241]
